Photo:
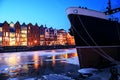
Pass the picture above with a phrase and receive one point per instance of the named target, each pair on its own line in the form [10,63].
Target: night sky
[49,12]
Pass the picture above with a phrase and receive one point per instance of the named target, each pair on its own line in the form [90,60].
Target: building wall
[5,34]
[51,36]
[29,35]
[23,35]
[36,32]
[42,35]
[1,24]
[47,36]
[18,29]
[70,39]
[12,34]
[32,35]
[62,37]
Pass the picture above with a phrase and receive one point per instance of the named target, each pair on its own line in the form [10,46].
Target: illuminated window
[24,43]
[0,39]
[23,35]
[23,39]
[12,34]
[29,27]
[41,35]
[6,33]
[12,39]
[6,38]
[35,41]
[12,43]
[23,31]
[18,35]
[17,39]
[0,29]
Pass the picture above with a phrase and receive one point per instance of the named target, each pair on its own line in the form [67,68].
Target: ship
[97,37]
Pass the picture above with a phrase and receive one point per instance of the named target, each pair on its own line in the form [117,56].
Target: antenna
[109,5]
[110,10]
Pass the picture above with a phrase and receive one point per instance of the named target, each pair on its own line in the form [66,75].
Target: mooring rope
[100,50]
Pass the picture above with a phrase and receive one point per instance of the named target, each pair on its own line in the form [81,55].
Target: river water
[23,65]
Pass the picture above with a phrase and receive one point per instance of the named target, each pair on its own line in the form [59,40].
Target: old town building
[32,35]
[18,29]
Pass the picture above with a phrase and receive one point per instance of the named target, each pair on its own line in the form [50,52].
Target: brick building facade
[32,35]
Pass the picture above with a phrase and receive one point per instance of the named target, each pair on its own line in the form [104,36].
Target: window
[12,39]
[24,44]
[23,39]
[23,31]
[23,35]
[12,34]
[0,39]
[18,39]
[6,38]
[12,43]
[0,29]
[6,33]
[29,27]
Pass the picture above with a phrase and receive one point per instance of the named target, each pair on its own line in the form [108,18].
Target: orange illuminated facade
[5,34]
[42,35]
[17,34]
[23,35]
[1,34]
[32,35]
[36,36]
[70,39]
[62,37]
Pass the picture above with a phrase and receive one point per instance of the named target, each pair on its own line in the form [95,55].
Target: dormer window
[29,27]
[12,25]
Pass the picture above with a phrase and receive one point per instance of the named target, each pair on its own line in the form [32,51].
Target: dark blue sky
[49,12]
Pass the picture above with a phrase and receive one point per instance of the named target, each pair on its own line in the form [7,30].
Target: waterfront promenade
[33,48]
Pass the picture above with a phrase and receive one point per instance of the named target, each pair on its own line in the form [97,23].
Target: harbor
[58,64]
[33,48]
[59,40]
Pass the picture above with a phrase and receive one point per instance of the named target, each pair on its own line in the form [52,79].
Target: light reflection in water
[53,60]
[25,67]
[75,55]
[41,62]
[36,60]
[53,51]
[66,56]
[12,60]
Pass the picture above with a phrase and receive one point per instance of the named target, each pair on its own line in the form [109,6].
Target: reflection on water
[53,60]
[42,62]
[12,60]
[36,59]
